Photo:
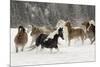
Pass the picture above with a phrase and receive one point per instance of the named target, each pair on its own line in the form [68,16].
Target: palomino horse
[21,38]
[90,30]
[36,31]
[75,33]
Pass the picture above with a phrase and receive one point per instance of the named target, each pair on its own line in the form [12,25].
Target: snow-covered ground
[75,53]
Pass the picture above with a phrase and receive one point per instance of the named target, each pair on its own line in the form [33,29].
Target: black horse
[49,43]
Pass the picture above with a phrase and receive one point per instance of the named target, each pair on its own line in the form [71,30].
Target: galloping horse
[36,31]
[21,38]
[61,23]
[49,42]
[90,30]
[75,32]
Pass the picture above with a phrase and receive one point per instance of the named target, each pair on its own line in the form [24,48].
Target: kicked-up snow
[66,54]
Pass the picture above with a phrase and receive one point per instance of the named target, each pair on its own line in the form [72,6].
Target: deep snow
[75,53]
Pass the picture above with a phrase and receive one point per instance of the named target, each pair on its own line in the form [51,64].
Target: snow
[75,53]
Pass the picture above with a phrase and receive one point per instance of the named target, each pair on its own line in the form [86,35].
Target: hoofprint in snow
[75,53]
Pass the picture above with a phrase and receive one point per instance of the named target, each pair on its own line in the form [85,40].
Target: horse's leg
[37,49]
[68,42]
[82,42]
[32,41]
[85,36]
[16,49]
[41,48]
[33,47]
[82,38]
[92,41]
[51,50]
[57,48]
[22,48]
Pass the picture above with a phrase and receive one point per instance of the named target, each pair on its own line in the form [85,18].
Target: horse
[61,23]
[74,32]
[50,42]
[37,30]
[90,30]
[21,38]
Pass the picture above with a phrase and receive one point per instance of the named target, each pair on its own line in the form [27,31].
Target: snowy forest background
[40,13]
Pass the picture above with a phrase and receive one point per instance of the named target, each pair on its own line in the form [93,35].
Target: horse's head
[60,33]
[21,29]
[68,24]
[29,28]
[92,22]
[86,24]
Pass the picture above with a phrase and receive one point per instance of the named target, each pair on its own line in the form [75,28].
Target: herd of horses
[47,37]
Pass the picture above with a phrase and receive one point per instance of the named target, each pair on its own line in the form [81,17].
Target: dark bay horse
[21,38]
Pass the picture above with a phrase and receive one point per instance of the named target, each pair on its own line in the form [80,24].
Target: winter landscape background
[25,13]
[75,53]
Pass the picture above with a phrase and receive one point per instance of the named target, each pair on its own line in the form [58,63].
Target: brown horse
[21,38]
[75,33]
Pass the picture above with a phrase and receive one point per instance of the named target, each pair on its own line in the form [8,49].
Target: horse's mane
[60,23]
[92,22]
[36,30]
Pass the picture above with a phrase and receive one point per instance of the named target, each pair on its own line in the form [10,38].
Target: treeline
[24,13]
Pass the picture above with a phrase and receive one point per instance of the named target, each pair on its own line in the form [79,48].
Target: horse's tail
[32,47]
[85,36]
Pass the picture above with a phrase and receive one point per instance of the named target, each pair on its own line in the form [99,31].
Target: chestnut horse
[74,33]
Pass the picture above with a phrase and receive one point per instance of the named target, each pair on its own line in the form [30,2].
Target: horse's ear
[20,28]
[68,24]
[83,23]
[61,28]
[24,29]
[32,25]
[88,23]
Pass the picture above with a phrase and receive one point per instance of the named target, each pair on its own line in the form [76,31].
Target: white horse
[61,23]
